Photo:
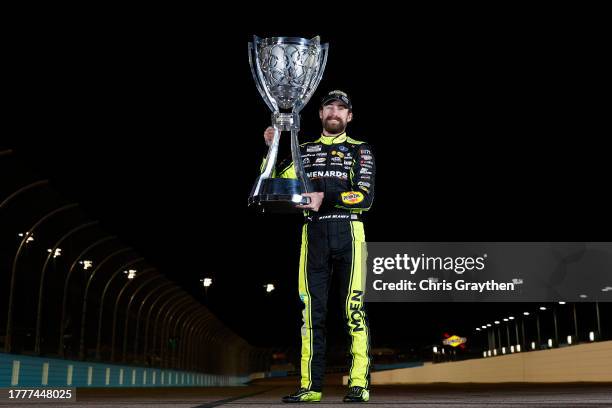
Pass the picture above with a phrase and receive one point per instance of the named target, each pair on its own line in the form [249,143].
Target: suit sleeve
[362,174]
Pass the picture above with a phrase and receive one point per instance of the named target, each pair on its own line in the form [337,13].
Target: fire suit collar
[333,139]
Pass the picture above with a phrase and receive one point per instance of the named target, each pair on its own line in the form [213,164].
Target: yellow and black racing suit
[333,239]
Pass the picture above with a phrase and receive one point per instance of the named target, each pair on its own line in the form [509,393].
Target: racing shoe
[357,394]
[303,395]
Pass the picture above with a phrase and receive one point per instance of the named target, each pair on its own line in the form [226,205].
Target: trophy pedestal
[279,195]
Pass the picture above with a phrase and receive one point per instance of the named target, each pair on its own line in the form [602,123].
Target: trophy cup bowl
[287,71]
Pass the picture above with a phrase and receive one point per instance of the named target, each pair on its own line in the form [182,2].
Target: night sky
[480,134]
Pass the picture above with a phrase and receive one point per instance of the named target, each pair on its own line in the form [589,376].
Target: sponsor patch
[351,197]
[313,149]
[364,171]
[366,157]
[329,173]
[342,148]
[320,160]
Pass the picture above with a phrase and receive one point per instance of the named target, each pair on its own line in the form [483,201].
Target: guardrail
[19,370]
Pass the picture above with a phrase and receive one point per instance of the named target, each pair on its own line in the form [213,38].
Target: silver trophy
[287,71]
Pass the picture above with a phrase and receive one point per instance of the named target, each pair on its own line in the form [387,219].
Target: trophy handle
[324,51]
[258,75]
[296,156]
[256,78]
[270,160]
[313,87]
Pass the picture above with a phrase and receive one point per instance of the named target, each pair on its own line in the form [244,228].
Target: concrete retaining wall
[590,362]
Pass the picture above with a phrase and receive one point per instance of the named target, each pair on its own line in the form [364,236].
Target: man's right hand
[269,135]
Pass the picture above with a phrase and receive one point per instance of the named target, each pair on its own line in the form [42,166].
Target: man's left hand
[315,201]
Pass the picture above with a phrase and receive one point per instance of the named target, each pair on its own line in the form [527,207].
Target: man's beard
[334,127]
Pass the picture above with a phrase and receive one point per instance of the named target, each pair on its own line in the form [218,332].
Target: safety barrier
[18,370]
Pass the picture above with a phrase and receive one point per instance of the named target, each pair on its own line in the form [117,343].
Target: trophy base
[278,195]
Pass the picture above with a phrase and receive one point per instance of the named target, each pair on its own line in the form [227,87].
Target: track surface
[267,393]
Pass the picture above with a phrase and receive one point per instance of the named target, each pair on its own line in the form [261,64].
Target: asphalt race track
[267,393]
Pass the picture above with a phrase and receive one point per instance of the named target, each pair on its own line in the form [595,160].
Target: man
[342,172]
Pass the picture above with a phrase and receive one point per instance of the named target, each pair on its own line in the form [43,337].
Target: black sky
[486,133]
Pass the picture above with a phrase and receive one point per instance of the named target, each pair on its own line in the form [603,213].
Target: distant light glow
[30,238]
[86,264]
[58,252]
